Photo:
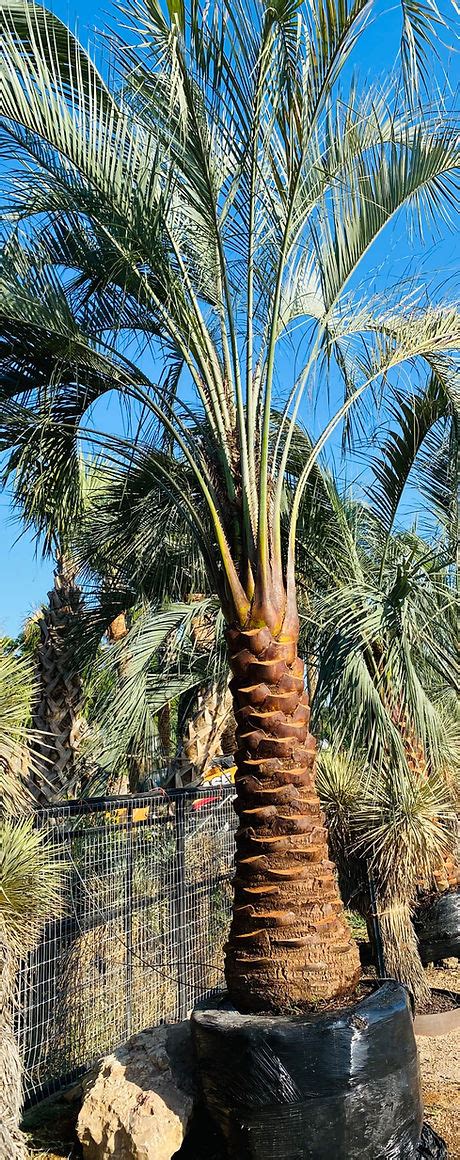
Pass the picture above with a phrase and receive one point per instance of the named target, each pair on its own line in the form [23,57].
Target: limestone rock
[138,1104]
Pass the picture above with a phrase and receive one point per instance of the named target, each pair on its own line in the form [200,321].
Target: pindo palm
[208,208]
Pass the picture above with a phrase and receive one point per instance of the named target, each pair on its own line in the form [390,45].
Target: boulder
[138,1103]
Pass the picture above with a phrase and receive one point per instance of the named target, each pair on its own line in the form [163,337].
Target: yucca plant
[29,877]
[17,689]
[30,894]
[210,207]
[388,827]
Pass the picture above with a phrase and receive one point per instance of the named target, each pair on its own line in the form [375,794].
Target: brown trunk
[400,947]
[57,716]
[203,736]
[118,628]
[164,730]
[289,945]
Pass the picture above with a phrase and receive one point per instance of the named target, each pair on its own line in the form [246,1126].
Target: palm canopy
[211,205]
[379,592]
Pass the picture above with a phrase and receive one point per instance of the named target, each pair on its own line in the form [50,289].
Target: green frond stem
[238,594]
[250,393]
[298,390]
[188,347]
[424,341]
[336,61]
[185,347]
[221,411]
[283,252]
[241,428]
[316,451]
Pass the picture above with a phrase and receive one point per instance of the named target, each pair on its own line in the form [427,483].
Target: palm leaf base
[289,946]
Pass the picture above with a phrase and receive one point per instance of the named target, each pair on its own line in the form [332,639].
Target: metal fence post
[375,921]
[129,919]
[181,905]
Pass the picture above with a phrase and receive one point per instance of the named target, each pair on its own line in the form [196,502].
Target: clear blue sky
[24,577]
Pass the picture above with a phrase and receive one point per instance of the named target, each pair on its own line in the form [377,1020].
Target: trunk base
[290,946]
[344,1084]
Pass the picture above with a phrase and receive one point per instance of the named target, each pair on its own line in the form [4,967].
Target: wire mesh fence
[147,905]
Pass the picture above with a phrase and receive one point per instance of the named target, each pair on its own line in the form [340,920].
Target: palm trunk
[57,717]
[164,730]
[136,767]
[203,737]
[289,945]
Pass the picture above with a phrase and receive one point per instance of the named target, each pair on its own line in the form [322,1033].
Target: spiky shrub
[30,893]
[217,200]
[397,826]
[17,690]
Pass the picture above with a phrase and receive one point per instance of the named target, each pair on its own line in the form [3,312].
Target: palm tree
[50,512]
[385,623]
[58,711]
[206,211]
[167,651]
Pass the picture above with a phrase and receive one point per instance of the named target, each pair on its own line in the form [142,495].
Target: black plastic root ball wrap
[437,926]
[431,1146]
[343,1085]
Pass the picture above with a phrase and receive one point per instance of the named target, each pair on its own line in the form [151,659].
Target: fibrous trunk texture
[12,1142]
[289,945]
[204,737]
[164,730]
[400,947]
[57,717]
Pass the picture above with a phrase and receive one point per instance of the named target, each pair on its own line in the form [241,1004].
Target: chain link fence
[147,906]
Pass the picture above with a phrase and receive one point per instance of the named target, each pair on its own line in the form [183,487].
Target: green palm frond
[162,657]
[212,202]
[422,169]
[378,605]
[421,19]
[414,420]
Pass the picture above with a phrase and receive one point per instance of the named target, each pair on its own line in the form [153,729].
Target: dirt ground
[51,1128]
[440,1068]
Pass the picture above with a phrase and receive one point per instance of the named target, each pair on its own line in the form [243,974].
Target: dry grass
[50,1128]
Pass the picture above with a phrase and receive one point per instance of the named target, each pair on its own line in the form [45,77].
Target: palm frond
[413,422]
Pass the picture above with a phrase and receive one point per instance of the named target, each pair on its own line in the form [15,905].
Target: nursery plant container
[437,926]
[439,1022]
[341,1083]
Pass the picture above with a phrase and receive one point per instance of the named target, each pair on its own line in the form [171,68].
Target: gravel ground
[440,1068]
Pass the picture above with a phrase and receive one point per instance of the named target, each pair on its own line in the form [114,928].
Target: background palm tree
[385,625]
[207,209]
[51,512]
